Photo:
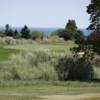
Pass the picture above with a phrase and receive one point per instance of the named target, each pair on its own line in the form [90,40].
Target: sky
[43,13]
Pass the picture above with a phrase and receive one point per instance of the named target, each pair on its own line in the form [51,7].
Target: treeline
[25,33]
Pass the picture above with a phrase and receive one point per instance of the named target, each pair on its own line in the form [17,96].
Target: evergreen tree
[71,28]
[63,33]
[17,34]
[8,30]
[94,10]
[25,32]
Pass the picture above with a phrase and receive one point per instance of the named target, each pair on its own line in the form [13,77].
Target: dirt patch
[71,97]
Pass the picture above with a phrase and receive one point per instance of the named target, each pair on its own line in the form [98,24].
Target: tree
[94,10]
[25,32]
[8,30]
[63,33]
[79,37]
[17,34]
[71,28]
[37,35]
[94,39]
[70,32]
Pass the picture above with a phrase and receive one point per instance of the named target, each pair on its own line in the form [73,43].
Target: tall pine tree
[94,10]
[25,32]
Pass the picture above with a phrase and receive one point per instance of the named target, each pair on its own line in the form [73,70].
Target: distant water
[47,31]
[86,32]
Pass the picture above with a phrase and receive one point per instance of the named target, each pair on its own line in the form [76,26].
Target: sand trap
[70,97]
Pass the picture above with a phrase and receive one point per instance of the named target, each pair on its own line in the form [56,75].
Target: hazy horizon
[44,13]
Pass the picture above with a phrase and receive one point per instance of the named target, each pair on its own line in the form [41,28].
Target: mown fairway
[5,53]
[42,90]
[57,47]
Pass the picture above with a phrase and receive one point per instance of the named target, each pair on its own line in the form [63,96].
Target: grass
[34,90]
[5,53]
[57,47]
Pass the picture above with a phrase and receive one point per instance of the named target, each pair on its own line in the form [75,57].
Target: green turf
[5,53]
[57,47]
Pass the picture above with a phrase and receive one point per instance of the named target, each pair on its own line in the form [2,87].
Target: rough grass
[37,90]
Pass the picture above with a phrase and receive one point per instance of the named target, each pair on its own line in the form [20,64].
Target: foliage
[71,28]
[63,33]
[12,41]
[81,70]
[94,10]
[51,40]
[8,31]
[94,39]
[79,37]
[63,66]
[25,32]
[17,34]
[74,69]
[29,65]
[37,35]
[70,32]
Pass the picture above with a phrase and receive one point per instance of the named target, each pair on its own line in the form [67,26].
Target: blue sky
[43,13]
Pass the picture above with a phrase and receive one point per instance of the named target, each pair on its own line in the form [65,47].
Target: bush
[5,74]
[62,33]
[51,40]
[12,41]
[63,67]
[71,69]
[24,41]
[9,40]
[37,35]
[29,65]
[81,70]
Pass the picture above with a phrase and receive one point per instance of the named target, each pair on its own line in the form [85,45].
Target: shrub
[5,74]
[2,41]
[74,69]
[37,35]
[81,70]
[52,39]
[29,65]
[63,66]
[62,33]
[12,41]
[24,41]
[9,40]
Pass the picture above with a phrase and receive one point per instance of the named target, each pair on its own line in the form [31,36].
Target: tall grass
[33,65]
[11,41]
